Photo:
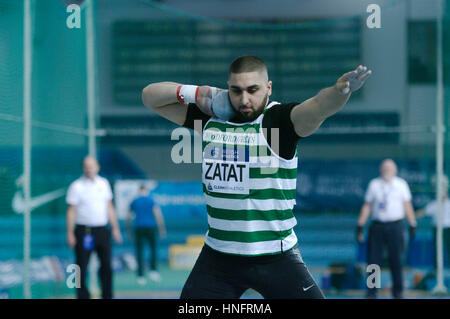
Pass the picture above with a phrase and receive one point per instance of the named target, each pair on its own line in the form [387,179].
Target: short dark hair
[142,187]
[247,63]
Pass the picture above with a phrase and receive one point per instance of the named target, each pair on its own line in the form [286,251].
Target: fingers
[362,72]
[352,81]
[360,69]
[348,75]
[357,73]
[364,76]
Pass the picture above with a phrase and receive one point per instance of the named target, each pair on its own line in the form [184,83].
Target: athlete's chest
[227,157]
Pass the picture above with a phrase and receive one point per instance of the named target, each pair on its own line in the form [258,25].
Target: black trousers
[146,234]
[387,236]
[217,275]
[102,245]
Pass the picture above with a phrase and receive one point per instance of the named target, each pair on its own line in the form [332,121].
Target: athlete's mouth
[246,109]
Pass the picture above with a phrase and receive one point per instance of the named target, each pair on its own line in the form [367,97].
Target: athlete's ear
[269,88]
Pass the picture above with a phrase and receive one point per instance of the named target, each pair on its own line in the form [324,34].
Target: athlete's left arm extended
[309,115]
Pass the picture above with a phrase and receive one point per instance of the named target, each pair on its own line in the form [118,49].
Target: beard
[254,113]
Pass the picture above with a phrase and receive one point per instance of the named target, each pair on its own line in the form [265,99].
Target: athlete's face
[249,93]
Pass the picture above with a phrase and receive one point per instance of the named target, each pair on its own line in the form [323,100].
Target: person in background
[148,219]
[388,202]
[90,208]
[431,210]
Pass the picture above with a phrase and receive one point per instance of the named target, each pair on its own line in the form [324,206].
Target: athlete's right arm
[162,98]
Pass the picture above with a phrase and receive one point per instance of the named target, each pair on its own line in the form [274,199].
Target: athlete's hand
[215,102]
[204,99]
[354,80]
[221,106]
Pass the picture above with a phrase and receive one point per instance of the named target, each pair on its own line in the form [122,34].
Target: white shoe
[154,275]
[141,281]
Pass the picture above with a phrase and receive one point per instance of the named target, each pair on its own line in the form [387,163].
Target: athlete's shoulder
[274,106]
[278,111]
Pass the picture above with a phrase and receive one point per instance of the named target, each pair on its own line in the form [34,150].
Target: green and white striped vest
[250,190]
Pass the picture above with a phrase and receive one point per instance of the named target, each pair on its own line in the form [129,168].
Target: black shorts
[217,275]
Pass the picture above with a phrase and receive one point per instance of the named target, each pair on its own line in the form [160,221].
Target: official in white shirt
[431,210]
[388,202]
[90,208]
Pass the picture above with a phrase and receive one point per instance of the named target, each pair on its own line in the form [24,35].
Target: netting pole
[91,106]
[440,288]
[27,91]
[90,77]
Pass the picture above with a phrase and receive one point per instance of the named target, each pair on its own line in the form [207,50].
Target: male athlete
[249,173]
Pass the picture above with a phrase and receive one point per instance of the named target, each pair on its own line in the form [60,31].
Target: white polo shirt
[91,199]
[388,199]
[431,210]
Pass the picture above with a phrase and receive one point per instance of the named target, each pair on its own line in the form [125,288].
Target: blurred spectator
[147,220]
[90,207]
[387,201]
[431,210]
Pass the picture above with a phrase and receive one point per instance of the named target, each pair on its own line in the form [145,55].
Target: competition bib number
[226,169]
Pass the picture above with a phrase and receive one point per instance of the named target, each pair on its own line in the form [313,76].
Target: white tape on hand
[187,93]
[221,106]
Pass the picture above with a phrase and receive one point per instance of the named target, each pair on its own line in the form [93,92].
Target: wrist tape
[187,93]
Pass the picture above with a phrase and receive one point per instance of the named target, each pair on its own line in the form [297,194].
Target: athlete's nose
[245,98]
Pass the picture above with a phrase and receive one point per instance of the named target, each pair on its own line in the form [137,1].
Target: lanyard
[383,204]
[386,191]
